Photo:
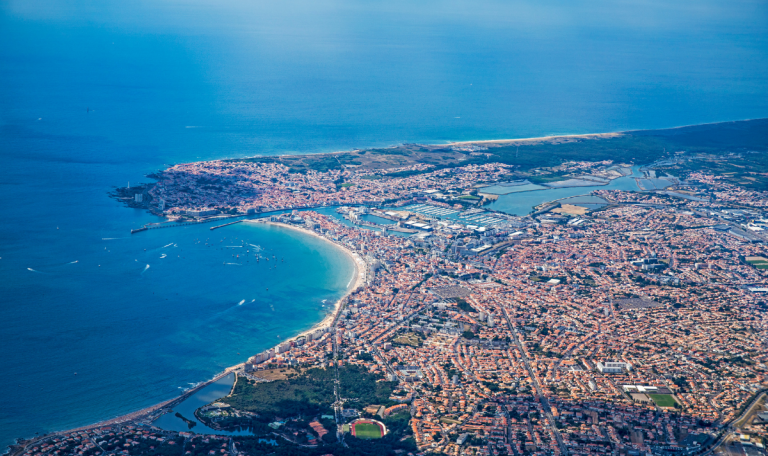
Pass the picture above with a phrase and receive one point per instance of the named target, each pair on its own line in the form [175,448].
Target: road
[730,428]
[337,403]
[543,399]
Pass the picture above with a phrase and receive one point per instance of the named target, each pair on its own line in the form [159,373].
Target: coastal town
[633,323]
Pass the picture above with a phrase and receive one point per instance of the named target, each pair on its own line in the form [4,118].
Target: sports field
[663,400]
[367,431]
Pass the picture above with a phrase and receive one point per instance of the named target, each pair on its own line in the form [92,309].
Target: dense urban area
[629,323]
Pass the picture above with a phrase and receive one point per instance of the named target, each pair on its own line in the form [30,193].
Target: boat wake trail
[163,256]
[54,268]
[145,269]
[241,302]
[234,264]
[167,245]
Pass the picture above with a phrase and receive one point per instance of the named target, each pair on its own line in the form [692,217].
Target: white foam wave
[163,256]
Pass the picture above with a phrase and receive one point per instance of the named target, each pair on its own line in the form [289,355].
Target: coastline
[359,264]
[148,415]
[540,139]
[133,417]
[554,139]
[359,276]
[155,411]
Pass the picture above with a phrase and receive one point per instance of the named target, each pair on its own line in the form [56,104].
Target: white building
[613,367]
[284,347]
[262,357]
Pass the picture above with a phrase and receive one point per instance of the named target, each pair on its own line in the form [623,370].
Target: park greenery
[409,338]
[298,399]
[309,393]
[464,306]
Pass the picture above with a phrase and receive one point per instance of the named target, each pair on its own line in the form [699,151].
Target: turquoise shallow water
[139,318]
[96,94]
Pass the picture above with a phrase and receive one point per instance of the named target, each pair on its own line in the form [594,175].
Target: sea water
[128,320]
[98,94]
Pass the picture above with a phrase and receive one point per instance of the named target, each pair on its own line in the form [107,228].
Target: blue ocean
[95,94]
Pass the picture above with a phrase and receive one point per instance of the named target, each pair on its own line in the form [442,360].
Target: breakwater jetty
[185,223]
[226,224]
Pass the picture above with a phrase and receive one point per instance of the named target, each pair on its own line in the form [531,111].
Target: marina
[473,217]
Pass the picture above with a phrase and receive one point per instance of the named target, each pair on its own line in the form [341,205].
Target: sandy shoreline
[519,141]
[359,277]
[359,280]
[538,139]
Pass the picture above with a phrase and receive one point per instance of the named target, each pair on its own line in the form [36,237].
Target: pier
[226,224]
[191,222]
